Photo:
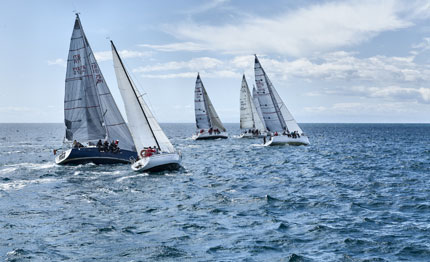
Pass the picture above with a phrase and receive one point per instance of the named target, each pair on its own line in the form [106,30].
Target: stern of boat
[62,157]
[158,162]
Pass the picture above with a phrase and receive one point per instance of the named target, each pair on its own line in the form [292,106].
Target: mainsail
[206,116]
[90,112]
[144,127]
[249,118]
[275,114]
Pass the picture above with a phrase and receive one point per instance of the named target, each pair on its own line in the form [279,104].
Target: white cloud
[170,75]
[335,66]
[392,93]
[204,7]
[107,55]
[418,9]
[363,108]
[195,64]
[303,31]
[347,67]
[58,61]
[193,74]
[174,47]
[424,45]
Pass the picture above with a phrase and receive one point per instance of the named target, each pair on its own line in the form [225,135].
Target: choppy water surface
[359,192]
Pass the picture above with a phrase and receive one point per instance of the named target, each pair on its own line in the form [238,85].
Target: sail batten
[145,129]
[275,113]
[89,109]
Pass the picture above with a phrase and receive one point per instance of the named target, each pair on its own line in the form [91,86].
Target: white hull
[158,162]
[285,140]
[205,135]
[250,135]
[59,159]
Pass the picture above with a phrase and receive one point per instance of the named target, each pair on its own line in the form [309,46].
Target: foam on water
[20,184]
[8,170]
[132,176]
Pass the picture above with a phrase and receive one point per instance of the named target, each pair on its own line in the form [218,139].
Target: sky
[331,61]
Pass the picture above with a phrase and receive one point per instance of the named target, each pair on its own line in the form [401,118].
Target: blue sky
[331,61]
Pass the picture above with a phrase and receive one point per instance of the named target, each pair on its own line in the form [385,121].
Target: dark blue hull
[84,155]
[211,137]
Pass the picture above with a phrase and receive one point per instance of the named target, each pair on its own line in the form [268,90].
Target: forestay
[275,114]
[206,116]
[89,109]
[249,118]
[144,127]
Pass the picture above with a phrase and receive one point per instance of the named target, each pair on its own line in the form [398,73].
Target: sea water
[359,192]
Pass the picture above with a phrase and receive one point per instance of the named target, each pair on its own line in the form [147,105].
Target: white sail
[275,114]
[215,120]
[90,112]
[249,118]
[144,127]
[200,107]
[257,106]
[206,116]
[288,117]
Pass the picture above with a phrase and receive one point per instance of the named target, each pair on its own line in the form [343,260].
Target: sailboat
[278,119]
[90,113]
[155,150]
[250,121]
[208,123]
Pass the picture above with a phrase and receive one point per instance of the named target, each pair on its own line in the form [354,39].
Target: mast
[137,97]
[92,74]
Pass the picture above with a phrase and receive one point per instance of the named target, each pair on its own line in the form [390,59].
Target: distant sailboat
[155,150]
[208,124]
[276,115]
[250,121]
[90,112]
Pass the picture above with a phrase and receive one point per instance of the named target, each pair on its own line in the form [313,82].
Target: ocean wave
[131,177]
[20,184]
